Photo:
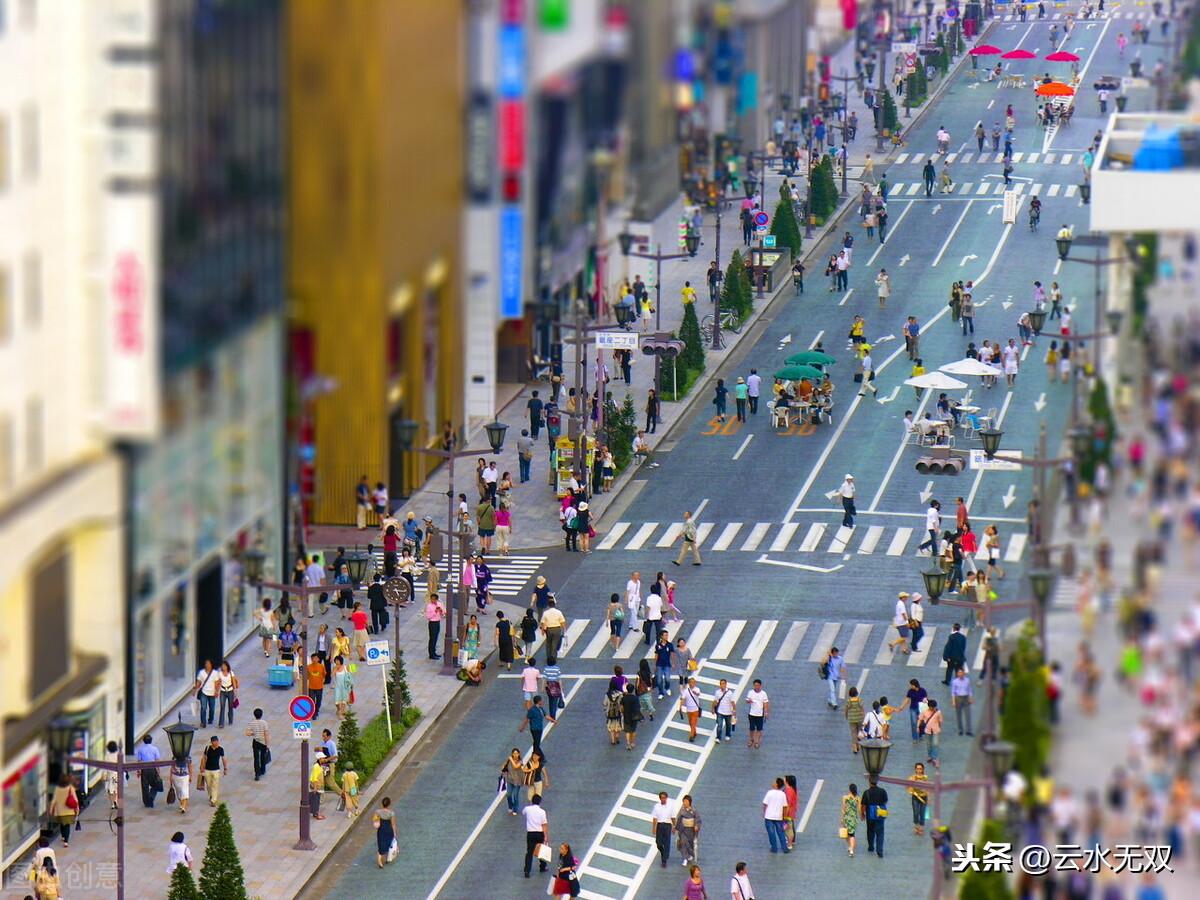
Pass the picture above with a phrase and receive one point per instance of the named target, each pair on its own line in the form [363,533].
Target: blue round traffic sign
[761,218]
[372,653]
[302,708]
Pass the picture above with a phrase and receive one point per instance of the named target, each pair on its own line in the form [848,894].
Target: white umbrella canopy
[970,366]
[936,381]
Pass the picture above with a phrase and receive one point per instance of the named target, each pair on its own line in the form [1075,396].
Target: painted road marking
[757,533]
[1036,189]
[787,650]
[953,231]
[966,157]
[1054,189]
[838,544]
[913,188]
[918,657]
[1071,190]
[862,680]
[703,530]
[883,657]
[858,640]
[1018,187]
[811,805]
[901,158]
[745,444]
[643,534]
[896,188]
[842,302]
[984,188]
[1031,159]
[826,639]
[629,643]
[575,631]
[671,535]
[1049,158]
[1017,157]
[966,186]
[696,639]
[725,645]
[728,533]
[1066,159]
[815,531]
[899,541]
[758,644]
[1001,188]
[598,642]
[785,535]
[1015,546]
[950,157]
[614,535]
[874,533]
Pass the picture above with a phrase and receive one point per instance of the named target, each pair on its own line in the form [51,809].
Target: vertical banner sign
[481,143]
[511,83]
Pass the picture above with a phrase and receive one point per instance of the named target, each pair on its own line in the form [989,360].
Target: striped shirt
[257,729]
[552,672]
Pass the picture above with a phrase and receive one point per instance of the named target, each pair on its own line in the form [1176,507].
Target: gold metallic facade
[375,93]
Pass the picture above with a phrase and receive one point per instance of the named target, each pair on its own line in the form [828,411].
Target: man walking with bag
[954,654]
[688,534]
[834,671]
[260,741]
[874,810]
[846,492]
[537,832]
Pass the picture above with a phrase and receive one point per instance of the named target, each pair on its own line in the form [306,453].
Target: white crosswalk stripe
[791,643]
[728,639]
[1049,158]
[1032,158]
[826,639]
[1066,159]
[912,189]
[965,187]
[1001,188]
[965,158]
[1054,189]
[950,157]
[510,574]
[985,188]
[1071,190]
[901,158]
[1017,157]
[778,538]
[1036,190]
[858,640]
[918,658]
[895,189]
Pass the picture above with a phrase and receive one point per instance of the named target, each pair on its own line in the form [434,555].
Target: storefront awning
[88,669]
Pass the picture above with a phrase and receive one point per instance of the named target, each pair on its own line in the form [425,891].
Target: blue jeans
[726,722]
[523,466]
[226,705]
[775,835]
[913,715]
[208,709]
[553,704]
[933,741]
[662,679]
[875,835]
[512,796]
[833,690]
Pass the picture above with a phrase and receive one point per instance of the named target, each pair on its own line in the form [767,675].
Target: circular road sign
[302,708]
[397,591]
[761,218]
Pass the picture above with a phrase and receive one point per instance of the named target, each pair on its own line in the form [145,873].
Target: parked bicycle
[731,323]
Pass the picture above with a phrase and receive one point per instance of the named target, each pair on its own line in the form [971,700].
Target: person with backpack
[612,714]
[615,617]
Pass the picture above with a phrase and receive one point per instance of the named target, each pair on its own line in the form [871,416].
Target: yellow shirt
[1043,790]
[856,330]
[918,370]
[350,783]
[688,294]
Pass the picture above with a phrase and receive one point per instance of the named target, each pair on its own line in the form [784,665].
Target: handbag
[351,696]
[393,851]
[843,832]
[543,852]
[171,795]
[72,801]
[200,782]
[235,702]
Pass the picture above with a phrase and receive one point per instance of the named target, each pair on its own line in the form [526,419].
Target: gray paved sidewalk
[265,813]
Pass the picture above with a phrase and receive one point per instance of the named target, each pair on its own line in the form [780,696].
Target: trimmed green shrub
[692,357]
[183,885]
[891,118]
[221,875]
[785,227]
[349,743]
[981,884]
[374,744]
[1026,720]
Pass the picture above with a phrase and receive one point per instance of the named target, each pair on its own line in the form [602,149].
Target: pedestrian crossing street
[510,574]
[774,537]
[861,643]
[988,158]
[1059,16]
[990,187]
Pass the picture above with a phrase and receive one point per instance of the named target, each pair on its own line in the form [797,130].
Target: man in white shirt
[739,885]
[633,599]
[537,831]
[314,576]
[775,808]
[653,625]
[724,708]
[933,524]
[909,424]
[868,373]
[753,388]
[843,266]
[662,817]
[846,492]
[900,623]
[759,707]
[916,612]
[490,478]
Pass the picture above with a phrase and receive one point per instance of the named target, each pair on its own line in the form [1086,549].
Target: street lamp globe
[990,438]
[252,564]
[935,584]
[692,242]
[1037,318]
[625,314]
[495,435]
[874,754]
[1040,582]
[869,65]
[1064,246]
[405,431]
[179,735]
[1000,755]
[625,239]
[1114,317]
[751,184]
[59,735]
[356,565]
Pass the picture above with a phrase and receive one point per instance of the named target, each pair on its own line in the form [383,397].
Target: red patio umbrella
[984,50]
[1018,54]
[1054,89]
[1062,56]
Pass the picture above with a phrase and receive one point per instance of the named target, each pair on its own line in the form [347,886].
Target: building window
[6,324]
[145,692]
[35,445]
[50,596]
[31,278]
[6,454]
[28,13]
[31,146]
[176,668]
[24,793]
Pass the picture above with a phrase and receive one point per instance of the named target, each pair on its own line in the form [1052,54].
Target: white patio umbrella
[970,366]
[936,381]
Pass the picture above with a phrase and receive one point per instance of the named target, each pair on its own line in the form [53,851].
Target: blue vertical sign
[511,250]
[510,80]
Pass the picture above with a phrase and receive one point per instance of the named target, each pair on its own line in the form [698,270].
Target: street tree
[221,875]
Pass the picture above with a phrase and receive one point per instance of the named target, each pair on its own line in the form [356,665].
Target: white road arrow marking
[791,565]
[981,303]
[994,206]
[974,85]
[890,397]
[1012,27]
[904,259]
[1006,303]
[1010,497]
[785,340]
[883,340]
[1040,403]
[936,207]
[928,492]
[969,256]
[1080,48]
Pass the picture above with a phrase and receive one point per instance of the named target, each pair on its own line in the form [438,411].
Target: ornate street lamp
[692,242]
[990,437]
[1085,193]
[356,565]
[625,314]
[179,736]
[869,65]
[1064,246]
[495,435]
[1040,582]
[874,754]
[1114,317]
[751,184]
[59,735]
[935,584]
[625,239]
[1037,318]
[1000,756]
[405,431]
[1081,440]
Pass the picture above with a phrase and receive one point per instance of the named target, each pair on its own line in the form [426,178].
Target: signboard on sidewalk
[379,653]
[301,731]
[904,46]
[615,340]
[1011,199]
[910,63]
[980,461]
[768,241]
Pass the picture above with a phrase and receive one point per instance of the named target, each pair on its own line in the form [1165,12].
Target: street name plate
[616,340]
[980,461]
[301,731]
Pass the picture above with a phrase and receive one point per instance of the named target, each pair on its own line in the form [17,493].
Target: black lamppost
[405,432]
[999,755]
[1064,244]
[691,241]
[60,735]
